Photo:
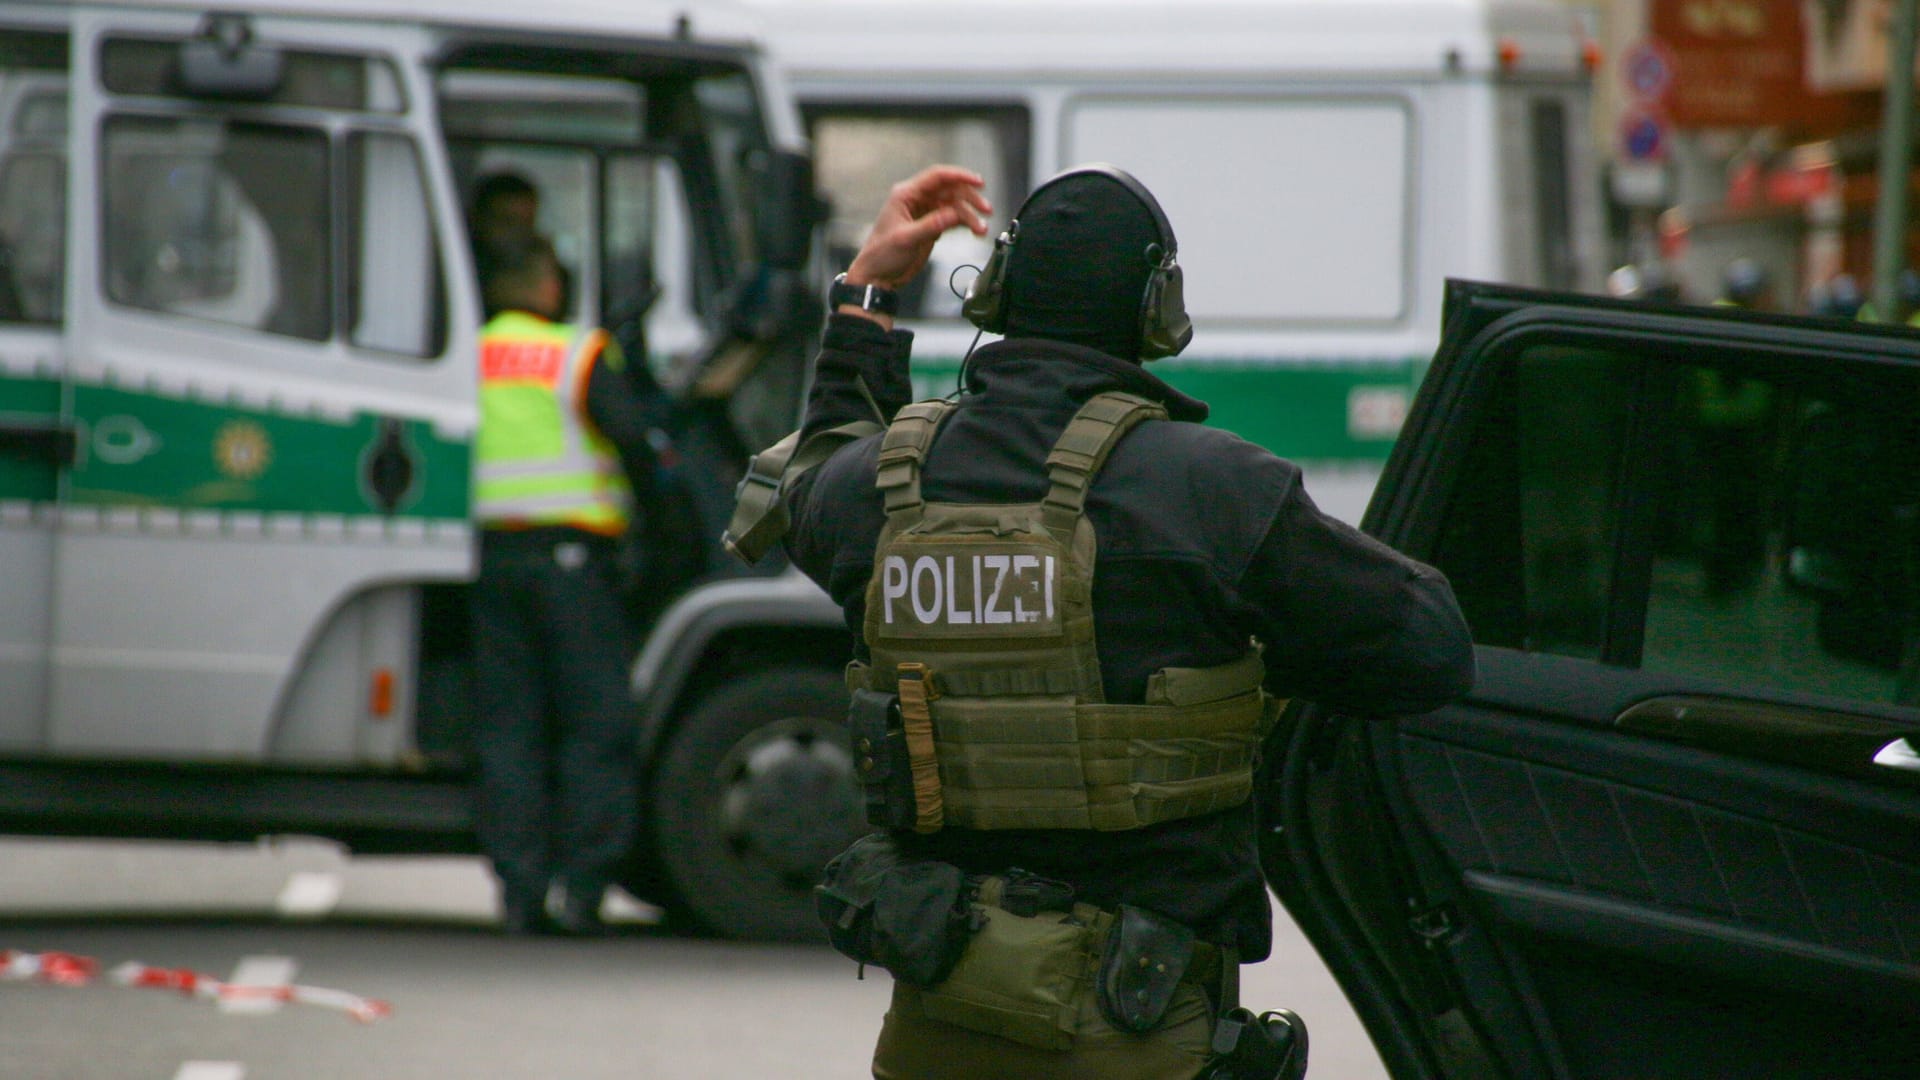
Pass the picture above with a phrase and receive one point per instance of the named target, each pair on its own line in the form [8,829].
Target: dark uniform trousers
[556,725]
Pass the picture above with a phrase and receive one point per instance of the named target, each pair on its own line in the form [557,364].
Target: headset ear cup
[985,304]
[1165,328]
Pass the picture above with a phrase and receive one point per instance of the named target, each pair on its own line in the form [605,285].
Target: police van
[1326,164]
[238,324]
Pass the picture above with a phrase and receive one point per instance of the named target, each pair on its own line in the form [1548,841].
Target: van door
[33,442]
[271,389]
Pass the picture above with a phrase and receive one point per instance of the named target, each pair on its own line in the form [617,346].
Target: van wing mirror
[791,211]
[223,61]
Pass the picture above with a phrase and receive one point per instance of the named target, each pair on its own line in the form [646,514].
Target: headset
[1165,328]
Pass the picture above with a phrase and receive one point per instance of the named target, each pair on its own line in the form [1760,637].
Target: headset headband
[1126,180]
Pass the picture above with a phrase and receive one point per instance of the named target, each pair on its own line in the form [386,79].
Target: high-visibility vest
[980,619]
[537,460]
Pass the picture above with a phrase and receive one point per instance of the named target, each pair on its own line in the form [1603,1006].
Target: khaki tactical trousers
[915,1047]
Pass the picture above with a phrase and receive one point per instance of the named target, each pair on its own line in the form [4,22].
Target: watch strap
[873,298]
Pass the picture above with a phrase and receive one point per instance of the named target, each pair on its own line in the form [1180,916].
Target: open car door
[1675,829]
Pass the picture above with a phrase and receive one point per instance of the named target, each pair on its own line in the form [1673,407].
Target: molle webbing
[980,617]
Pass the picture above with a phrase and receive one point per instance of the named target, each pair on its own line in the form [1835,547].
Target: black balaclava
[1079,265]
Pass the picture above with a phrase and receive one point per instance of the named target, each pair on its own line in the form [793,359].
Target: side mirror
[791,211]
[222,61]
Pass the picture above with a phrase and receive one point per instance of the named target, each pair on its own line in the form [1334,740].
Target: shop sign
[1742,63]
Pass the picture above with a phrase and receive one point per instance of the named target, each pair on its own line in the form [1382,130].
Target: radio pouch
[880,754]
[1145,957]
[910,916]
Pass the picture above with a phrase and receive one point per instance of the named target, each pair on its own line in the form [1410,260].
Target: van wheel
[754,794]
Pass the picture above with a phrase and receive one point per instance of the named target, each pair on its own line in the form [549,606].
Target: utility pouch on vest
[1021,978]
[1145,957]
[909,916]
[880,753]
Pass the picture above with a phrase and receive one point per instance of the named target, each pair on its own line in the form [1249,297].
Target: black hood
[1079,265]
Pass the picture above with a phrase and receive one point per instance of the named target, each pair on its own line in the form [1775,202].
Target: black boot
[525,913]
[577,914]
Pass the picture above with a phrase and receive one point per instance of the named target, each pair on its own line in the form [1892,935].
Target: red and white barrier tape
[68,969]
[62,969]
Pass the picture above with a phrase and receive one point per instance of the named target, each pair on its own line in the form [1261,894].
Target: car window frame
[1489,327]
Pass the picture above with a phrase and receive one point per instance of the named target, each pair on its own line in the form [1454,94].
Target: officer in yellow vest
[557,798]
[1079,612]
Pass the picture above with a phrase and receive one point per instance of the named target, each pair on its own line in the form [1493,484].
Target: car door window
[1753,528]
[1784,553]
[1529,544]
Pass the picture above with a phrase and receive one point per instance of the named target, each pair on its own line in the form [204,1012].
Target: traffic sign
[1644,135]
[1647,69]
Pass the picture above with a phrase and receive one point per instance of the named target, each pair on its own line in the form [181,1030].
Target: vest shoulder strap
[1083,448]
[902,451]
[759,512]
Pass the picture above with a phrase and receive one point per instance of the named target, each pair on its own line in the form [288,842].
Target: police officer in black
[1213,567]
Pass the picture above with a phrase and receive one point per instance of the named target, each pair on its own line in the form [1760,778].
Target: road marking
[258,971]
[309,894]
[211,1070]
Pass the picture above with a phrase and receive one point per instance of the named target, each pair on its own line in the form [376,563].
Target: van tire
[754,794]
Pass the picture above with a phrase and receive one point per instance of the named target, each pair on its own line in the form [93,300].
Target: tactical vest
[536,461]
[980,618]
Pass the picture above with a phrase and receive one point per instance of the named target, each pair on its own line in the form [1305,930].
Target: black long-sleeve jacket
[1204,541]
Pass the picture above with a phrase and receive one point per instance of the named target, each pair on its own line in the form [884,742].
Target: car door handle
[1898,754]
[1810,738]
[39,441]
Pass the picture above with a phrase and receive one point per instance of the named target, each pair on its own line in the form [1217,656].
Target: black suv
[1675,829]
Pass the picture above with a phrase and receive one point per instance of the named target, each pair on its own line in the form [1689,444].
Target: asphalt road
[465,1002]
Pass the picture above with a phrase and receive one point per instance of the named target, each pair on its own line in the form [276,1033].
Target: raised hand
[916,213]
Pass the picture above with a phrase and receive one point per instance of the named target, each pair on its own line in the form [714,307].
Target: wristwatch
[870,298]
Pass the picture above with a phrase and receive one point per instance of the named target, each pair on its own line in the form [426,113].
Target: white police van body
[238,325]
[1326,164]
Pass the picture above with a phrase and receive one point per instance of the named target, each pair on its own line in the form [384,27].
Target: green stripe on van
[148,450]
[1303,409]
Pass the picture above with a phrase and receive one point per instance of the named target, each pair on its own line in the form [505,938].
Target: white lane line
[258,971]
[211,1070]
[309,894]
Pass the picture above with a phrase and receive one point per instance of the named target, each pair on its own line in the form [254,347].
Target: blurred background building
[1743,129]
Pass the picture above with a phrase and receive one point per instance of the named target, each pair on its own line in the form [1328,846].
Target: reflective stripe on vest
[985,613]
[537,462]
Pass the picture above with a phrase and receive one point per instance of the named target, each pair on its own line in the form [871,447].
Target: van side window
[396,293]
[1348,200]
[1530,537]
[33,177]
[860,150]
[218,220]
